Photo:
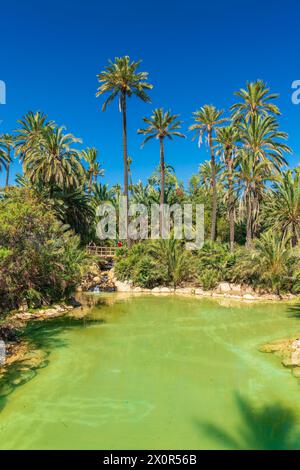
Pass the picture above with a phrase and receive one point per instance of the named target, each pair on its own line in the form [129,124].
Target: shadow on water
[294,311]
[270,427]
[41,337]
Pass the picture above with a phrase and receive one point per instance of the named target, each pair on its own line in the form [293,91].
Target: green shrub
[147,273]
[271,264]
[149,264]
[40,259]
[209,278]
[216,256]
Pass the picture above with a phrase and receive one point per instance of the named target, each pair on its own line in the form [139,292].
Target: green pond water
[157,372]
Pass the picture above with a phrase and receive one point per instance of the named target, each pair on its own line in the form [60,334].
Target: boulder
[185,290]
[137,289]
[223,287]
[199,291]
[156,290]
[125,286]
[249,297]
[166,290]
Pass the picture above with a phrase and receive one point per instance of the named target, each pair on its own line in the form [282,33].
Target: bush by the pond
[159,262]
[271,264]
[40,259]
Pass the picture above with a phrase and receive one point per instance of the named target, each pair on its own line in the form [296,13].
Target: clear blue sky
[196,52]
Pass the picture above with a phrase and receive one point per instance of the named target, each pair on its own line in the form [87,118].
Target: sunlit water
[159,372]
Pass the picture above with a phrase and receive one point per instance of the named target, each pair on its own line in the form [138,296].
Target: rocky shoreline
[288,350]
[223,290]
[17,349]
[98,280]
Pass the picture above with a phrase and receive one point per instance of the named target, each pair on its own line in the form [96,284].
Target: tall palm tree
[282,206]
[94,170]
[120,79]
[161,124]
[206,120]
[206,175]
[6,149]
[54,162]
[261,136]
[251,177]
[227,138]
[256,100]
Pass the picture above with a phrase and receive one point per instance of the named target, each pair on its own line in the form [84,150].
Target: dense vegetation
[40,259]
[251,198]
[271,265]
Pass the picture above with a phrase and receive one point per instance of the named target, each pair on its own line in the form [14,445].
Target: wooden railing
[102,251]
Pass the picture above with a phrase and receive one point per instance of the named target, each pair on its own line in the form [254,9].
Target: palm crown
[261,137]
[54,161]
[120,78]
[256,100]
[206,119]
[160,125]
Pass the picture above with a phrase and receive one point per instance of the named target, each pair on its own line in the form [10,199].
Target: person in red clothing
[120,244]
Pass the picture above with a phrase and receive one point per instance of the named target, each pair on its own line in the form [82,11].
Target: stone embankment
[223,290]
[288,350]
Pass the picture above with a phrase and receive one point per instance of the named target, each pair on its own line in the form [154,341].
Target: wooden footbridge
[102,251]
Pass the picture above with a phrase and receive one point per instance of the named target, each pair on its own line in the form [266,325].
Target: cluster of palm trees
[48,154]
[250,147]
[245,169]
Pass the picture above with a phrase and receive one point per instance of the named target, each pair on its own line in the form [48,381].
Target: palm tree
[269,262]
[256,101]
[172,255]
[101,194]
[282,206]
[94,170]
[206,120]
[6,149]
[29,134]
[261,136]
[161,124]
[121,79]
[206,174]
[227,138]
[54,162]
[251,178]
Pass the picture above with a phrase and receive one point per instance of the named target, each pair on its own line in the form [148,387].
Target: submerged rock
[288,350]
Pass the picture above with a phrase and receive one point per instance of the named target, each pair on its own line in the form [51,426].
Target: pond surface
[159,372]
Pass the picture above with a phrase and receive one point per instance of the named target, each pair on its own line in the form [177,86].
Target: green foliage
[40,259]
[215,256]
[172,255]
[161,262]
[209,278]
[147,273]
[271,264]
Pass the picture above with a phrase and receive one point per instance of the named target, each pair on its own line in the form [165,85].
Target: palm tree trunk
[294,238]
[231,208]
[125,191]
[7,174]
[90,182]
[162,181]
[214,189]
[249,224]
